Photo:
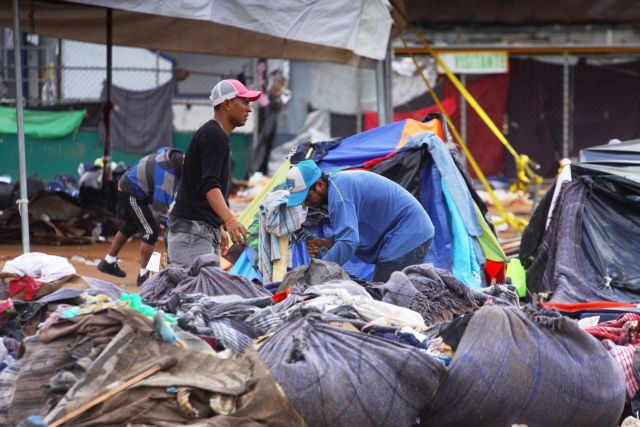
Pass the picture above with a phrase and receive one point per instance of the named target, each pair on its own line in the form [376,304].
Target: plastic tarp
[338,31]
[624,152]
[42,124]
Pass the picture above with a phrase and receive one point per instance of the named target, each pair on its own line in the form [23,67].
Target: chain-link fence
[549,107]
[69,72]
[63,71]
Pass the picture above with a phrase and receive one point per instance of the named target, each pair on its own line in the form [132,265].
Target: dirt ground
[129,259]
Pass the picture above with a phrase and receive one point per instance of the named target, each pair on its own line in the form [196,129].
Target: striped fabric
[275,220]
[621,337]
[624,330]
[623,354]
[8,378]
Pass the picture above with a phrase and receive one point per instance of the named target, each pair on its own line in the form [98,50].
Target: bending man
[372,218]
[148,185]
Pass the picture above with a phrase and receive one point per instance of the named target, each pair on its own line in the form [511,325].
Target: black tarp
[589,251]
[141,121]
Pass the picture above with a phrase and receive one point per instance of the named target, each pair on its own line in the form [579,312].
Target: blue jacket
[154,178]
[373,218]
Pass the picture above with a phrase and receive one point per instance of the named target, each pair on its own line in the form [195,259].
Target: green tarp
[41,124]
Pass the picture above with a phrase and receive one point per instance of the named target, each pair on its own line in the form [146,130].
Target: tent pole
[565,106]
[463,117]
[106,109]
[23,202]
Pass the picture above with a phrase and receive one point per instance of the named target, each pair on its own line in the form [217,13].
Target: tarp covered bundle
[588,252]
[337,377]
[511,368]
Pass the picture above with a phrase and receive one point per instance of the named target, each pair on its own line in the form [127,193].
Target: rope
[517,223]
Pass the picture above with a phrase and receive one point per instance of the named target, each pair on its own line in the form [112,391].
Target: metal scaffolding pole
[108,106]
[383,89]
[23,202]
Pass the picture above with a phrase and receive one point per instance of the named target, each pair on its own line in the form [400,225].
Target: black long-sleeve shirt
[206,166]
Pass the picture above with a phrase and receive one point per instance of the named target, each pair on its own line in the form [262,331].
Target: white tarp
[337,30]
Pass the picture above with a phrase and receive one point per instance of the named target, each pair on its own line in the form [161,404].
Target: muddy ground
[130,254]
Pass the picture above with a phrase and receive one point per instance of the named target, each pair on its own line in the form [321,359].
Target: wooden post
[280,265]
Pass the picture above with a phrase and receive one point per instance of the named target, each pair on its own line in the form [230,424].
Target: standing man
[148,185]
[200,216]
[372,218]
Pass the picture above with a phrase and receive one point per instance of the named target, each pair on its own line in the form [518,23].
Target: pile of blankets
[317,349]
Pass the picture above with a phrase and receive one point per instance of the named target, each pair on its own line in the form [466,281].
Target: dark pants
[384,269]
[138,217]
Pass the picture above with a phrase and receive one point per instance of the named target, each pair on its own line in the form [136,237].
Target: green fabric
[41,124]
[488,241]
[518,276]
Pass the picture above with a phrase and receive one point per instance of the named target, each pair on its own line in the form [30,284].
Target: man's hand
[312,248]
[224,242]
[237,231]
[314,244]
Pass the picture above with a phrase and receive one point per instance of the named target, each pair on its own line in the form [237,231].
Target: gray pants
[188,240]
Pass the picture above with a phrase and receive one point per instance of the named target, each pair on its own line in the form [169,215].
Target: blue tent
[413,154]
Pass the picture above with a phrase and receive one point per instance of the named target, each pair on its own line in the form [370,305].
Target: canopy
[338,31]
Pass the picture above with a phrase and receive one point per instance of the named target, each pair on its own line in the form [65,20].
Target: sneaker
[141,279]
[111,268]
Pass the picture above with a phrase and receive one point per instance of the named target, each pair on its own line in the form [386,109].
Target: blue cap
[300,178]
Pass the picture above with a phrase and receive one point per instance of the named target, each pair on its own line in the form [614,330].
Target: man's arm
[346,238]
[236,230]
